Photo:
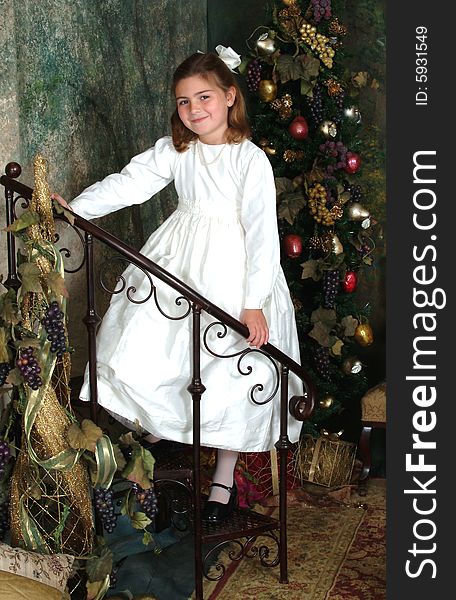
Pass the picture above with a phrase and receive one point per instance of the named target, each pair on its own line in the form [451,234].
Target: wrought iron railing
[192,303]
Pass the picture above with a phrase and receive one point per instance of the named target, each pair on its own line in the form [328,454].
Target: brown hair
[210,66]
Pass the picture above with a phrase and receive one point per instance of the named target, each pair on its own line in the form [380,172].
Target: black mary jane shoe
[216,512]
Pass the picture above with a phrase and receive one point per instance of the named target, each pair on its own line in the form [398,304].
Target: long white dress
[222,241]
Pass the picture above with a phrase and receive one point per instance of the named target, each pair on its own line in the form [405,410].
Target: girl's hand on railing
[255,320]
[61,201]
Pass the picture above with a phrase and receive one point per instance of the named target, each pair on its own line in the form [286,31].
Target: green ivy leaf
[8,308]
[119,457]
[84,437]
[325,315]
[140,520]
[30,278]
[336,348]
[98,567]
[311,268]
[56,284]
[349,324]
[290,206]
[147,538]
[27,218]
[321,333]
[139,468]
[14,378]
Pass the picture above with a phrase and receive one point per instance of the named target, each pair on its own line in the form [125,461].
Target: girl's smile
[203,107]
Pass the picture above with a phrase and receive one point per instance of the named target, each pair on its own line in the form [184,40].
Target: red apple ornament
[353,163]
[350,282]
[293,245]
[298,128]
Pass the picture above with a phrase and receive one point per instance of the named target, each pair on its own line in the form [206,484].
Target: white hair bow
[229,56]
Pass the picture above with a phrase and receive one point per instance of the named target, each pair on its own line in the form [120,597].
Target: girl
[221,240]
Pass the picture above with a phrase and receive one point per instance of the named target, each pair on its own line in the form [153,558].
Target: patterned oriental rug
[336,551]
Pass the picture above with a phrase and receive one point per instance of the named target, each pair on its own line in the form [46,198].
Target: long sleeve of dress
[259,219]
[145,175]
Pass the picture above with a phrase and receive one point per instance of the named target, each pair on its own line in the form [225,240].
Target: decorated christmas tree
[302,100]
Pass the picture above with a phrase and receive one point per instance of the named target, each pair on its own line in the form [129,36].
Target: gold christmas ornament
[334,88]
[270,151]
[328,129]
[265,144]
[289,2]
[267,90]
[293,155]
[336,28]
[336,246]
[283,106]
[326,402]
[265,44]
[364,334]
[315,242]
[352,365]
[357,212]
[352,113]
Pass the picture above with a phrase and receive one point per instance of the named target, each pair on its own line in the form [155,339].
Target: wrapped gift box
[263,469]
[325,461]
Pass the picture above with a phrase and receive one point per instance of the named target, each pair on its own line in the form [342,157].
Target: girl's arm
[258,217]
[145,175]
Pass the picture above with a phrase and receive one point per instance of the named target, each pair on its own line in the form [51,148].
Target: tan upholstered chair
[373,414]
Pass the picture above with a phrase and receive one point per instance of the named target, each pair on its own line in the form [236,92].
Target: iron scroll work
[250,526]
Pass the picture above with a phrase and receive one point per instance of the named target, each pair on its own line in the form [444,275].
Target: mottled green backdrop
[86,83]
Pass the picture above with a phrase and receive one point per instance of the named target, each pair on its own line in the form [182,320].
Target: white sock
[224,473]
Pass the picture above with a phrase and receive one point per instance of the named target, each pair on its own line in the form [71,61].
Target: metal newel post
[91,321]
[283,446]
[196,388]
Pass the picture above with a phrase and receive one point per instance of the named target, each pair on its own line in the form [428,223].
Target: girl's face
[203,107]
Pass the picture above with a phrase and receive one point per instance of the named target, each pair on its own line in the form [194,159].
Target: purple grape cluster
[322,363]
[147,500]
[29,368]
[113,576]
[316,105]
[355,191]
[105,508]
[4,517]
[4,370]
[321,10]
[55,328]
[339,102]
[253,75]
[337,152]
[364,249]
[5,455]
[331,280]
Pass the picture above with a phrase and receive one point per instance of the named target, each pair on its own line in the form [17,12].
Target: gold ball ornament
[328,129]
[265,45]
[364,334]
[326,402]
[267,147]
[352,365]
[357,212]
[289,2]
[336,246]
[267,90]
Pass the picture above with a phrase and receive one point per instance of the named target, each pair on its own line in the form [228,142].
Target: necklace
[201,155]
